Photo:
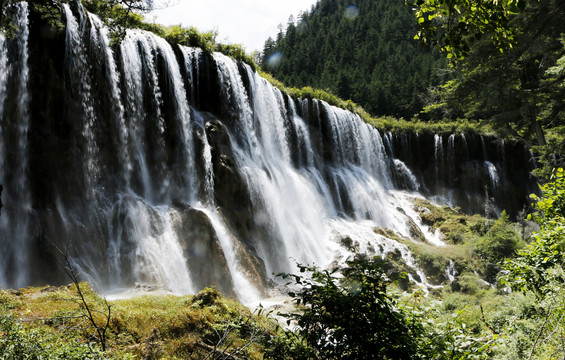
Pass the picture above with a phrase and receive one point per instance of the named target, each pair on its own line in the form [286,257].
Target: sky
[246,22]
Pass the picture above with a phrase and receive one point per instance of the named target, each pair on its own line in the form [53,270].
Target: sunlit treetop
[454,25]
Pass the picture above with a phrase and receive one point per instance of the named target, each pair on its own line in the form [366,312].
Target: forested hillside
[363,50]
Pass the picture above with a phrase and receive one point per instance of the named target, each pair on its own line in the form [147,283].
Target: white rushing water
[15,220]
[99,38]
[78,67]
[493,175]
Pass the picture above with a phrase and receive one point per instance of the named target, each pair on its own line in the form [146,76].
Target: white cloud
[247,22]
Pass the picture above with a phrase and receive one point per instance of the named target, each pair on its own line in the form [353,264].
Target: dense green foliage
[364,52]
[454,25]
[538,269]
[353,317]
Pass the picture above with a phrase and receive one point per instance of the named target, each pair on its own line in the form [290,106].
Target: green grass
[47,319]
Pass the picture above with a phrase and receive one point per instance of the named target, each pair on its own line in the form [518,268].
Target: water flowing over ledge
[164,165]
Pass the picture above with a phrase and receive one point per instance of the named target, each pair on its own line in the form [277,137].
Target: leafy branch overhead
[454,25]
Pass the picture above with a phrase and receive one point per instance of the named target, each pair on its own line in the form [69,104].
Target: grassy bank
[50,322]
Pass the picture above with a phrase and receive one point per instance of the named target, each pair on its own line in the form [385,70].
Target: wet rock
[202,249]
[349,244]
[230,190]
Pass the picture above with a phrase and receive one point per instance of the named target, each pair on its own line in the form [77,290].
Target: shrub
[352,317]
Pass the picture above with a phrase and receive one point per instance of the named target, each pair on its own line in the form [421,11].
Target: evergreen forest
[363,50]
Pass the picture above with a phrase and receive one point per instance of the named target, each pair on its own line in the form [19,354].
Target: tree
[454,25]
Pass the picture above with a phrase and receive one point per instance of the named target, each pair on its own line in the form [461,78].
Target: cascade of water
[192,63]
[388,144]
[307,166]
[139,55]
[362,235]
[465,145]
[15,220]
[336,134]
[208,166]
[145,248]
[484,148]
[502,151]
[438,153]
[244,290]
[23,94]
[406,202]
[407,175]
[134,76]
[3,94]
[451,156]
[450,271]
[79,79]
[451,144]
[304,146]
[373,154]
[3,76]
[271,112]
[180,102]
[493,175]
[100,39]
[234,96]
[292,206]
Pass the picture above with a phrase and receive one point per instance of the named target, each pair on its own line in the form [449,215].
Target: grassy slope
[147,327]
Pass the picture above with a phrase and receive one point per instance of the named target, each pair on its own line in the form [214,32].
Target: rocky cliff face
[161,164]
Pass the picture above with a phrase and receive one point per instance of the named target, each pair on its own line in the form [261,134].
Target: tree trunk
[540,136]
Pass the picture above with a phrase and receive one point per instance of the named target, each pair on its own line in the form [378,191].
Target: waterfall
[484,147]
[493,175]
[78,76]
[409,178]
[145,248]
[438,154]
[465,145]
[450,271]
[14,127]
[287,202]
[100,39]
[192,58]
[165,165]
